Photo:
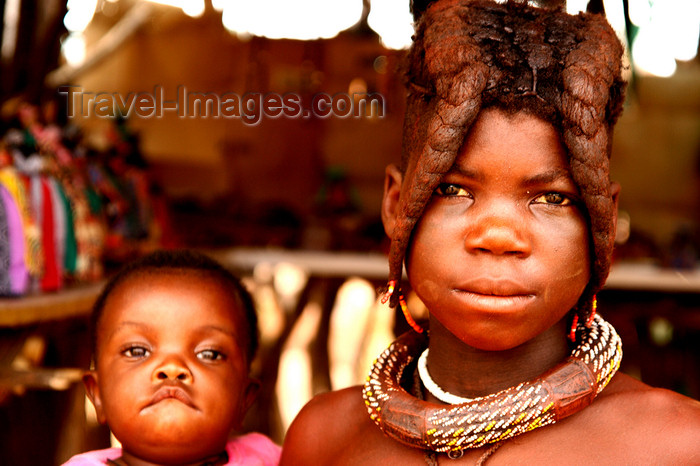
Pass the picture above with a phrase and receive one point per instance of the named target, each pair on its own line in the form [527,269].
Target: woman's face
[501,252]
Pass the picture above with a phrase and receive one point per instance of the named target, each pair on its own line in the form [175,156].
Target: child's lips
[171,393]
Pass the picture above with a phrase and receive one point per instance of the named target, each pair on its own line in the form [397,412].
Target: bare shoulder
[335,428]
[637,397]
[323,427]
[655,421]
[628,423]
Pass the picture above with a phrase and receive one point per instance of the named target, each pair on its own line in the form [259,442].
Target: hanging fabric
[14,238]
[16,184]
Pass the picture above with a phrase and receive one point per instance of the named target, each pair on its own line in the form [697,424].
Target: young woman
[504,215]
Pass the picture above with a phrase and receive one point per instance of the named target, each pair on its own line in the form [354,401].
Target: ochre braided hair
[468,55]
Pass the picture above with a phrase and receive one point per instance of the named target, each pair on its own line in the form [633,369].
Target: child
[174,336]
[504,215]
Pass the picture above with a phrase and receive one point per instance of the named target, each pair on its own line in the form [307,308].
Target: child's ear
[93,392]
[392,191]
[251,393]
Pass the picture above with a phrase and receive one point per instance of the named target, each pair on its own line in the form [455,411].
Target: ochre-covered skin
[470,55]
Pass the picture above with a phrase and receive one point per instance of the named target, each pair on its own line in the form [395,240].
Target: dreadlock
[468,55]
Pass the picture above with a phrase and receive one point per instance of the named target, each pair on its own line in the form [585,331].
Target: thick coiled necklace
[560,392]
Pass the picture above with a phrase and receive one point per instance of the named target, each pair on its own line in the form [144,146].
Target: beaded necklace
[560,392]
[431,457]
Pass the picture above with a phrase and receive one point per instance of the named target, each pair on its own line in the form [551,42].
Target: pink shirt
[252,449]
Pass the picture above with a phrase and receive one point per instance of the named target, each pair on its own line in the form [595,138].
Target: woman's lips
[495,287]
[495,295]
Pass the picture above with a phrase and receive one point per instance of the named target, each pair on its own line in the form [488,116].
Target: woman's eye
[552,199]
[210,355]
[136,352]
[449,189]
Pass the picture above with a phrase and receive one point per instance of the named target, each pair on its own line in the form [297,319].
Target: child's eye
[449,189]
[136,352]
[211,355]
[552,199]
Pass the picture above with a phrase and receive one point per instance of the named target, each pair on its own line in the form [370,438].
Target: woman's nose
[173,369]
[497,228]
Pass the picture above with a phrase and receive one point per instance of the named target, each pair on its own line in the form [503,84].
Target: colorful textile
[14,238]
[70,251]
[252,449]
[15,184]
[59,222]
[5,288]
[51,280]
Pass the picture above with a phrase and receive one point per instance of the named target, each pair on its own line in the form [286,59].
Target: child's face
[501,252]
[171,377]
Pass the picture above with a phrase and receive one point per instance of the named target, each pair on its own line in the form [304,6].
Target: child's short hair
[468,55]
[185,261]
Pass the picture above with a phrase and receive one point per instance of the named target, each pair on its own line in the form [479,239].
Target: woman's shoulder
[631,395]
[652,420]
[325,424]
[335,428]
[335,409]
[628,423]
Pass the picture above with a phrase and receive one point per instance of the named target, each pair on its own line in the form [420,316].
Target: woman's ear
[392,192]
[93,392]
[615,193]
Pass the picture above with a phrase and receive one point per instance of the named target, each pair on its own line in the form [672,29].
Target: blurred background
[116,142]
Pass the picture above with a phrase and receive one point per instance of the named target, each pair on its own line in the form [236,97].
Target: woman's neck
[469,372]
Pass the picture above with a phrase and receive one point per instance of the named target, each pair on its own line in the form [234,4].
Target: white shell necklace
[434,388]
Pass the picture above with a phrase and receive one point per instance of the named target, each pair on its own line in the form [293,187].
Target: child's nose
[173,369]
[498,230]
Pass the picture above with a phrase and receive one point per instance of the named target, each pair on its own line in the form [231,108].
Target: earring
[594,308]
[572,333]
[389,291]
[391,287]
[408,316]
